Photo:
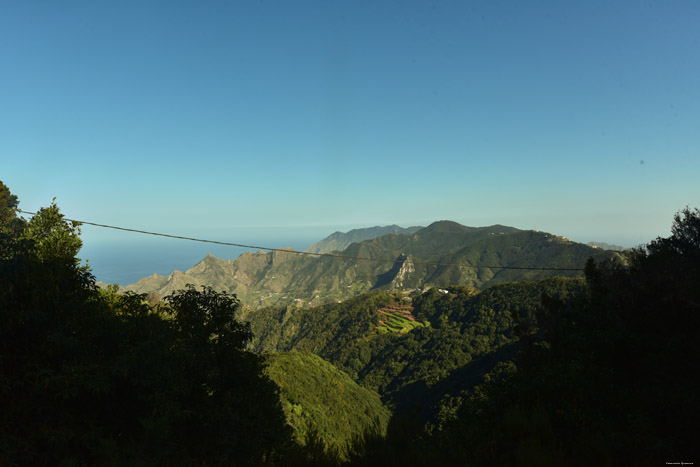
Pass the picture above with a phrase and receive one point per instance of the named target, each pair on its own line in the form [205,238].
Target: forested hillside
[604,377]
[323,404]
[460,326]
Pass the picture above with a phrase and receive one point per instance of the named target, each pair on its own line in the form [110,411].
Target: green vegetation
[605,377]
[397,318]
[320,400]
[609,377]
[600,370]
[93,378]
[462,326]
[561,371]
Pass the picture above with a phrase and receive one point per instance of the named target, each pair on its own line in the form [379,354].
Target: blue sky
[269,119]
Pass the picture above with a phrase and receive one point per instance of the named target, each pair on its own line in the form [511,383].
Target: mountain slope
[339,241]
[471,256]
[460,327]
[319,399]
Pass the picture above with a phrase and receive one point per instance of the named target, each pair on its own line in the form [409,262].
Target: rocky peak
[397,275]
[402,274]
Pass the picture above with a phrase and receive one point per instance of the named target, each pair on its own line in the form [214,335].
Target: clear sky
[260,119]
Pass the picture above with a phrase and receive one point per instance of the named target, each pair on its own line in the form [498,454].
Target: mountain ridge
[339,241]
[607,246]
[444,253]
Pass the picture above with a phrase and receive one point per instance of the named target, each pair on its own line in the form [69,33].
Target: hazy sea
[126,263]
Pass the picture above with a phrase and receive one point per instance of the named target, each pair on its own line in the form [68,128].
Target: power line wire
[308,253]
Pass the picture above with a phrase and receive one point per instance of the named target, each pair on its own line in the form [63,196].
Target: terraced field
[397,318]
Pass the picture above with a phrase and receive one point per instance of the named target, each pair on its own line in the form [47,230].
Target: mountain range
[339,241]
[607,246]
[412,259]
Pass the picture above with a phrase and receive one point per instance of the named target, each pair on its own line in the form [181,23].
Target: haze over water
[127,262]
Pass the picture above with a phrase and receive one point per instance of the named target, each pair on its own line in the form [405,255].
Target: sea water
[126,262]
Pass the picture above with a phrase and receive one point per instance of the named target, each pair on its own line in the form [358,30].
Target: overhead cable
[308,253]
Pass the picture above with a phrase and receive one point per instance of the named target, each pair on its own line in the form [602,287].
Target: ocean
[125,262]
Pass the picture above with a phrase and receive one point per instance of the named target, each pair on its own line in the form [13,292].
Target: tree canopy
[90,377]
[605,377]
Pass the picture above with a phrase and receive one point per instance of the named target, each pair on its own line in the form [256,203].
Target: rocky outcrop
[398,274]
[404,271]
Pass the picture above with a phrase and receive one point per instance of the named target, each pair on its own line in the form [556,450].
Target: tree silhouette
[92,377]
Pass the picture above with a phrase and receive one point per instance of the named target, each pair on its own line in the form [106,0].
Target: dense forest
[461,327]
[89,377]
[600,370]
[323,405]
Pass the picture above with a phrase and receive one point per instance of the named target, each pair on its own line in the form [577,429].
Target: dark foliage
[606,367]
[451,354]
[607,375]
[324,405]
[94,378]
[609,378]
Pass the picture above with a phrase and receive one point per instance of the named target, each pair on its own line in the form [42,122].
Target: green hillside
[320,400]
[605,375]
[460,326]
[399,318]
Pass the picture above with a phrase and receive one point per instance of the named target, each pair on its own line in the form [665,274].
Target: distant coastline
[126,263]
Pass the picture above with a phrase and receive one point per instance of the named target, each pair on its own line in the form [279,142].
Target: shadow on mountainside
[420,398]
